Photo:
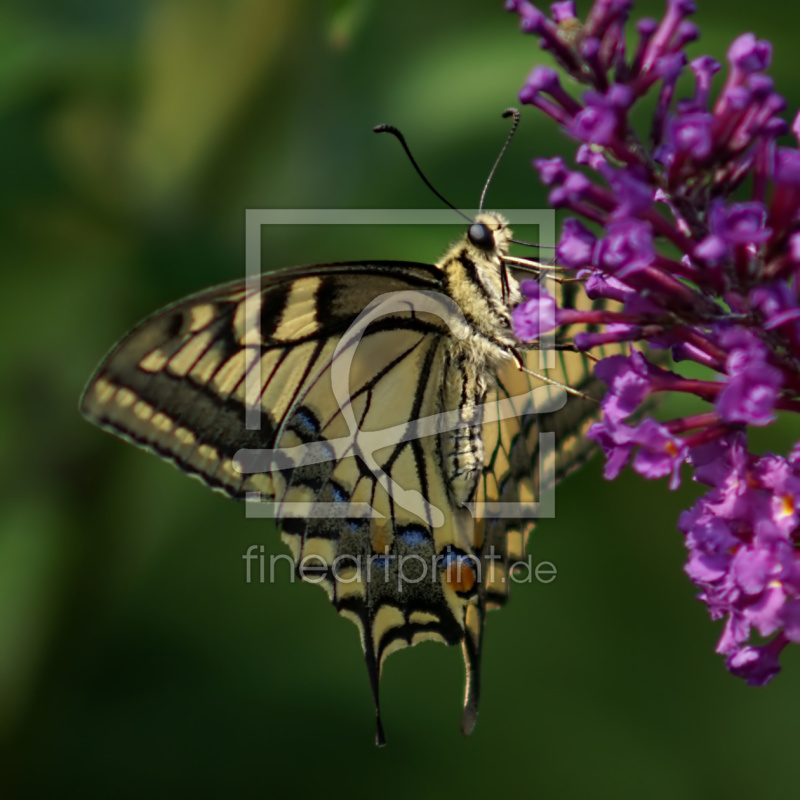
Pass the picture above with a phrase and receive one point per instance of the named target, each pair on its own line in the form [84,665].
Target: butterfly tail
[471,647]
[374,672]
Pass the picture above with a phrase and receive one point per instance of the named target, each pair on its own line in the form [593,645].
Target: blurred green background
[134,658]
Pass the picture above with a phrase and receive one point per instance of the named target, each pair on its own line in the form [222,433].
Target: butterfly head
[489,236]
[478,279]
[487,243]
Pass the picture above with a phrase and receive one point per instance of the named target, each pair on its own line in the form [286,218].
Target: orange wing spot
[460,577]
[381,538]
[787,505]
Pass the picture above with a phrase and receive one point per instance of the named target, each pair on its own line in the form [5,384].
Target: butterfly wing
[275,392]
[176,384]
[527,453]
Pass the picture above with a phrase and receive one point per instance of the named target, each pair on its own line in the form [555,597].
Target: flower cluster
[674,263]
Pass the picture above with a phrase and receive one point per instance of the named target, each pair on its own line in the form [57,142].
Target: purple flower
[634,195]
[778,304]
[766,613]
[791,620]
[742,223]
[692,134]
[563,11]
[712,250]
[747,55]
[531,19]
[710,542]
[778,475]
[756,665]
[542,79]
[716,461]
[704,69]
[627,247]
[536,315]
[577,244]
[591,157]
[753,385]
[693,248]
[629,384]
[753,567]
[660,453]
[599,285]
[750,396]
[615,439]
[573,189]
[594,124]
[552,171]
[787,167]
[735,633]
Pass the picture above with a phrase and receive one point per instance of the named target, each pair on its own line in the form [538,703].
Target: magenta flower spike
[692,228]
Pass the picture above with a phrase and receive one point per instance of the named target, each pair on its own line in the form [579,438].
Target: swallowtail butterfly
[391,395]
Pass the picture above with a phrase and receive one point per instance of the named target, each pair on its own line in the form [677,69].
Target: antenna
[399,136]
[509,112]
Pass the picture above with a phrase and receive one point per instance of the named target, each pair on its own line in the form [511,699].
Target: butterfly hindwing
[527,453]
[382,572]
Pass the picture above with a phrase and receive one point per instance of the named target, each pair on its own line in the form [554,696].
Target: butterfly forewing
[177,383]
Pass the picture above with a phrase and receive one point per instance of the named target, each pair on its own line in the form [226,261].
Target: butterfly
[385,412]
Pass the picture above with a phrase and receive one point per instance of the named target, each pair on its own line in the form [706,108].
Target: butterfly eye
[481,236]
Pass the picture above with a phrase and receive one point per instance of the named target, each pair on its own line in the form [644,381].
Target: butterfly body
[361,399]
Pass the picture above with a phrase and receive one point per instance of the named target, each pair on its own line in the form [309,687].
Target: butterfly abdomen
[463,394]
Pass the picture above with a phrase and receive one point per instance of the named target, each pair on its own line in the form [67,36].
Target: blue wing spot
[305,424]
[339,494]
[415,535]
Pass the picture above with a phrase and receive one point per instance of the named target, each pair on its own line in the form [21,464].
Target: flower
[753,385]
[627,247]
[687,239]
[628,379]
[660,452]
[537,314]
[577,244]
[757,665]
